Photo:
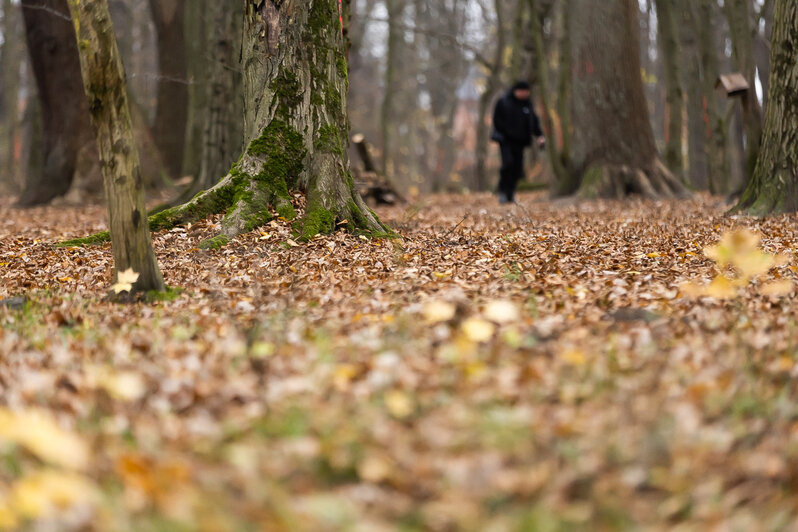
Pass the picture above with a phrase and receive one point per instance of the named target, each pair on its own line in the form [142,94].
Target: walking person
[515,124]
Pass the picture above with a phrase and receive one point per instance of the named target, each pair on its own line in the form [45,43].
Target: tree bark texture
[104,81]
[65,116]
[171,114]
[774,185]
[614,153]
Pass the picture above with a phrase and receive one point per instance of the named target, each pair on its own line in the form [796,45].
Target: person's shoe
[504,199]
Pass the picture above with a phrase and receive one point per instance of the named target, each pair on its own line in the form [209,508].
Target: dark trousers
[512,168]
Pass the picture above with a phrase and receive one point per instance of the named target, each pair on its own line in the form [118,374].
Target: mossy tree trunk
[614,150]
[104,83]
[295,85]
[773,187]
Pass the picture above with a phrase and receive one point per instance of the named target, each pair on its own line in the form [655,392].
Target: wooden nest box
[733,85]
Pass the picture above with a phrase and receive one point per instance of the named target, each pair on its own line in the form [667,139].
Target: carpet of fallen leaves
[536,367]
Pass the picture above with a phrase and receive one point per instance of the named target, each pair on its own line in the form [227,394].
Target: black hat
[521,85]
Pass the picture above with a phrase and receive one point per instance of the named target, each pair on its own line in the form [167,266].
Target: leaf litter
[596,366]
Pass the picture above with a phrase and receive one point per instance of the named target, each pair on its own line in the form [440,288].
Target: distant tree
[671,56]
[739,14]
[221,134]
[614,153]
[66,127]
[773,187]
[171,114]
[10,61]
[104,82]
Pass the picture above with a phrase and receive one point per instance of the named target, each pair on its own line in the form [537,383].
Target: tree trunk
[104,81]
[66,125]
[614,150]
[669,44]
[738,14]
[774,185]
[702,16]
[198,32]
[10,62]
[171,114]
[387,109]
[694,79]
[295,84]
[542,75]
[222,132]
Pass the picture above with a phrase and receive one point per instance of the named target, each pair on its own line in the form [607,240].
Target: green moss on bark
[216,242]
[98,238]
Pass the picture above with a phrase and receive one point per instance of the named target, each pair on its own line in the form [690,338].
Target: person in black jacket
[514,126]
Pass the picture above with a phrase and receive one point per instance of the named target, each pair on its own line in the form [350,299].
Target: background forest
[424,75]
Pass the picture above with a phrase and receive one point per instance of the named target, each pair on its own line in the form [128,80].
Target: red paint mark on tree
[341,15]
[589,68]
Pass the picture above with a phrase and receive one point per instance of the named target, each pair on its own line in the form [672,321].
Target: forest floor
[533,367]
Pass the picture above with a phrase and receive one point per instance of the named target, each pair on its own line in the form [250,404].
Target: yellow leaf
[46,493]
[124,281]
[653,255]
[478,330]
[38,432]
[262,349]
[721,287]
[123,385]
[780,288]
[438,311]
[399,404]
[574,357]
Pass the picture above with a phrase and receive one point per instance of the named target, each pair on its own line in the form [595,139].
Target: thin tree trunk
[104,81]
[66,125]
[669,44]
[171,114]
[774,185]
[614,149]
